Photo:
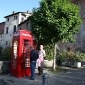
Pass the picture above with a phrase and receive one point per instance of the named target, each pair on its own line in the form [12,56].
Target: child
[39,61]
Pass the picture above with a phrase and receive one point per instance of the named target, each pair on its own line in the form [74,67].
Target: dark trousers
[33,66]
[40,69]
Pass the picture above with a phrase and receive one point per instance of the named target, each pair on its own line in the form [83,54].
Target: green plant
[70,57]
[61,55]
[49,51]
[78,56]
[6,53]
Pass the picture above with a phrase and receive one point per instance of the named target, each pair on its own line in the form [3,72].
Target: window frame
[6,42]
[14,29]
[7,19]
[15,17]
[7,30]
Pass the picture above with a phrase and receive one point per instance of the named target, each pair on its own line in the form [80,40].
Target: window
[27,26]
[15,17]
[7,30]
[6,42]
[14,28]
[22,19]
[7,19]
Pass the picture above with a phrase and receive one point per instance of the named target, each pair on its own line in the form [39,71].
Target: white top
[42,52]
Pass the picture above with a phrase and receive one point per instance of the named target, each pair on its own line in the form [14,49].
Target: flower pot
[77,64]
[48,63]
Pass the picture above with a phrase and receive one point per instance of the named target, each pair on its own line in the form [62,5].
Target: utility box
[20,60]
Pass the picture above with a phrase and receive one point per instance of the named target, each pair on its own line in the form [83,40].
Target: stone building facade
[2,27]
[11,26]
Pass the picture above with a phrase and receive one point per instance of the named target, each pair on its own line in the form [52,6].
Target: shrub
[70,57]
[78,56]
[49,49]
[6,53]
[61,57]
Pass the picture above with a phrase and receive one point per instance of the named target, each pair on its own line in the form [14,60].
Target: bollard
[45,79]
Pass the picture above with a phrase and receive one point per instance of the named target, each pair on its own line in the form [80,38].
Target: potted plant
[77,58]
[61,58]
[48,61]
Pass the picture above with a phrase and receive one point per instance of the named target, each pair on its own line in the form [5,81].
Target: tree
[55,21]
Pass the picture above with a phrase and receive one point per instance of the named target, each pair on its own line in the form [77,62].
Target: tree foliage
[55,20]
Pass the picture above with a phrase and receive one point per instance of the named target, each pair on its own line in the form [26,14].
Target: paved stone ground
[68,77]
[2,82]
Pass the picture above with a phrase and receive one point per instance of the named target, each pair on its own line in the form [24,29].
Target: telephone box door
[26,57]
[14,57]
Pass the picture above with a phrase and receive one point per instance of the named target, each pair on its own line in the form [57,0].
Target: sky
[8,6]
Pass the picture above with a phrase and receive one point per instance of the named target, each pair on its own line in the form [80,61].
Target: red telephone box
[20,60]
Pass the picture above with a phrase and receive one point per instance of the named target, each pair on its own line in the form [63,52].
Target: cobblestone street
[69,77]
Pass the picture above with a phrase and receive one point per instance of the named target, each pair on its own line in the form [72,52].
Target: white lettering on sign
[16,34]
[26,35]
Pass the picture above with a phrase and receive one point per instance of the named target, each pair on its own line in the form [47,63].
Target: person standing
[39,62]
[33,57]
[41,53]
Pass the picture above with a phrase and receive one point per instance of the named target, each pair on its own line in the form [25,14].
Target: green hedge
[6,53]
